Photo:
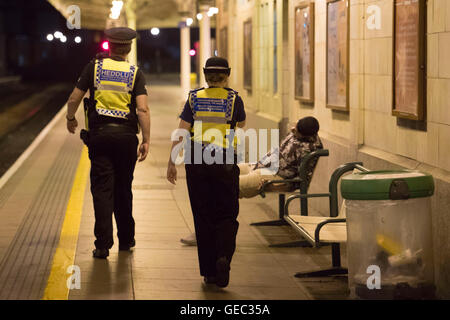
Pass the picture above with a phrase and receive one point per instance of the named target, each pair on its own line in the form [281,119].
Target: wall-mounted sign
[304,53]
[409,59]
[337,54]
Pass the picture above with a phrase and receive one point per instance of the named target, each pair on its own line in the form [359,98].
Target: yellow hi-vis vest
[212,108]
[114,81]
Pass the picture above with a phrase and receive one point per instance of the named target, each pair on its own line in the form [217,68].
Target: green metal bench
[324,230]
[301,184]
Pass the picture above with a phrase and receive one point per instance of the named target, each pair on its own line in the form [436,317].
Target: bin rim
[383,185]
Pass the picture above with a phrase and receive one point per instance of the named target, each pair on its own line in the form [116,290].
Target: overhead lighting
[115,10]
[50,37]
[199,16]
[189,21]
[154,31]
[63,39]
[192,52]
[77,39]
[212,11]
[58,34]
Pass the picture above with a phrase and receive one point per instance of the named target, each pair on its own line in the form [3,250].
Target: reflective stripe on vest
[213,109]
[114,81]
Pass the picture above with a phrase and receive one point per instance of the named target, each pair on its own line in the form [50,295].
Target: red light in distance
[105,45]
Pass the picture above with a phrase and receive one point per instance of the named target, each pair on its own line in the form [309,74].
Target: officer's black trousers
[113,159]
[214,196]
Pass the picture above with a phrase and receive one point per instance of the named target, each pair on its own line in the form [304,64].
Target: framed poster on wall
[304,53]
[337,92]
[409,98]
[248,54]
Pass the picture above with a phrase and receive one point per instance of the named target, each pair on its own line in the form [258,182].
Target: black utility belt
[113,128]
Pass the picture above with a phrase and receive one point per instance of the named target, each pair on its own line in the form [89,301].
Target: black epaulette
[235,92]
[195,90]
[102,55]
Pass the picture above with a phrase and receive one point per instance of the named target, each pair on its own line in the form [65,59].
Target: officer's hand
[72,125]
[143,151]
[172,173]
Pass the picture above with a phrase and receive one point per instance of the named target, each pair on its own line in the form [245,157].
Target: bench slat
[333,232]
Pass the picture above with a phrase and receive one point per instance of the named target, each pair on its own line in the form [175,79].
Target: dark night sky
[24,49]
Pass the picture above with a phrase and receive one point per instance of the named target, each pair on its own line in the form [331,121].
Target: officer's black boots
[209,280]
[223,272]
[100,253]
[127,247]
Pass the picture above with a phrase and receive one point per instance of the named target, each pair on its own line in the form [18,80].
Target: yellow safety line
[64,257]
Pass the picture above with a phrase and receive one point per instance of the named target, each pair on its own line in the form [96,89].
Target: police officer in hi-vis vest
[117,106]
[209,115]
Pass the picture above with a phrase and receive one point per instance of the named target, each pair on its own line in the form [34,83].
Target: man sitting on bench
[302,140]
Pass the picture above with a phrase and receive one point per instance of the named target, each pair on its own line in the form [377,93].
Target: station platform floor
[48,220]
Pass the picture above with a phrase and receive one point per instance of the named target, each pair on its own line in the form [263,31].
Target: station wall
[368,131]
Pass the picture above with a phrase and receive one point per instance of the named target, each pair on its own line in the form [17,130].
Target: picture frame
[409,59]
[304,52]
[337,55]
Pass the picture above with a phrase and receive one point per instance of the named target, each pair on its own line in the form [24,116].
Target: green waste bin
[389,240]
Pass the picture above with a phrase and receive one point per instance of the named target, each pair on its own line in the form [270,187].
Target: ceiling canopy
[95,14]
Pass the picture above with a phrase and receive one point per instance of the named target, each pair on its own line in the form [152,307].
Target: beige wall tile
[433,100]
[444,105]
[407,142]
[357,24]
[444,50]
[428,145]
[380,131]
[356,56]
[438,97]
[378,56]
[378,93]
[356,90]
[386,10]
[447,16]
[433,56]
[436,18]
[444,147]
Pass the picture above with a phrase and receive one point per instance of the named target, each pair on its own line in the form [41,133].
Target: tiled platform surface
[163,268]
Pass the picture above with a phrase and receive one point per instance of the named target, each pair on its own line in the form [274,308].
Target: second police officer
[209,114]
[117,106]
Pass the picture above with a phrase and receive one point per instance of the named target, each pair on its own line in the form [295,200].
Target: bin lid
[387,185]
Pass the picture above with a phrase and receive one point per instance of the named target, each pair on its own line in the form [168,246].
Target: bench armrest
[263,190]
[321,225]
[303,196]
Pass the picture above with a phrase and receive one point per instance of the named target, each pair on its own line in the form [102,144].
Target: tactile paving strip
[26,265]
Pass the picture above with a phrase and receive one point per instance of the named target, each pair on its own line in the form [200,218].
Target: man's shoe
[100,253]
[127,247]
[223,272]
[190,240]
[209,280]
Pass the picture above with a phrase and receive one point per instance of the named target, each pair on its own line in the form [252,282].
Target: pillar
[185,58]
[205,41]
[131,21]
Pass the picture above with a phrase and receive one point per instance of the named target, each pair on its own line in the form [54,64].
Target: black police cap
[122,35]
[217,65]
